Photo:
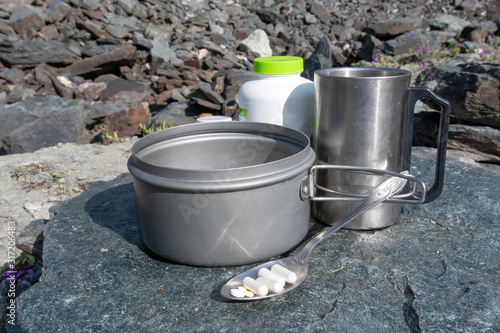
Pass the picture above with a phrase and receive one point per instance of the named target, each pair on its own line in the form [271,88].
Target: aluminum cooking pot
[225,193]
[217,194]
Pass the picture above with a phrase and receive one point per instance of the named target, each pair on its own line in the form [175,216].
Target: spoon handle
[384,191]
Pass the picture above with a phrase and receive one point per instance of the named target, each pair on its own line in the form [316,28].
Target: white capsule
[237,293]
[256,287]
[285,273]
[267,274]
[272,285]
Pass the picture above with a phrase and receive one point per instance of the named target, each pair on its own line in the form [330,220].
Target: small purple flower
[498,56]
[420,49]
[422,65]
[478,38]
[459,45]
[25,270]
[429,49]
[485,53]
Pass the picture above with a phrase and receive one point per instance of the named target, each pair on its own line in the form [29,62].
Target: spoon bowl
[290,263]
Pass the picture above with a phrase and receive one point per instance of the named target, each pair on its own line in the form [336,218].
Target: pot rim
[228,179]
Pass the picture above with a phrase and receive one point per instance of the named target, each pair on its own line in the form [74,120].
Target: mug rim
[354,72]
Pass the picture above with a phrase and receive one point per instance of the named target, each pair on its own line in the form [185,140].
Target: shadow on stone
[115,209]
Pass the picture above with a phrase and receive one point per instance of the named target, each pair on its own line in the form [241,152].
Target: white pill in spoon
[256,287]
[273,286]
[237,293]
[285,273]
[267,274]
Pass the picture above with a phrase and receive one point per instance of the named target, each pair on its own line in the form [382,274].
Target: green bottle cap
[279,65]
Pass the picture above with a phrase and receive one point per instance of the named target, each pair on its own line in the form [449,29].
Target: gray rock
[64,125]
[411,40]
[206,89]
[33,52]
[215,28]
[13,75]
[31,239]
[163,51]
[12,6]
[430,272]
[321,12]
[128,5]
[106,62]
[91,49]
[449,23]
[16,115]
[480,31]
[257,44]
[393,28]
[128,22]
[175,114]
[163,31]
[310,18]
[126,122]
[121,90]
[90,4]
[26,21]
[321,58]
[483,143]
[470,5]
[313,31]
[471,88]
[56,11]
[493,12]
[235,79]
[269,16]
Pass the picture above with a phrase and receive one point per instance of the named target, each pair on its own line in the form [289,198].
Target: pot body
[221,194]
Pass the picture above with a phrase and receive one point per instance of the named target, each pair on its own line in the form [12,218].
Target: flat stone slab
[437,270]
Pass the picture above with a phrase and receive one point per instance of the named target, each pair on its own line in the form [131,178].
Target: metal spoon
[299,262]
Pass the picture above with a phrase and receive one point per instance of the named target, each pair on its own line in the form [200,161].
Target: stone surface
[33,52]
[172,45]
[106,62]
[482,142]
[31,239]
[60,126]
[78,165]
[471,89]
[121,90]
[257,44]
[321,58]
[392,28]
[412,40]
[449,23]
[51,120]
[26,21]
[175,114]
[126,122]
[433,271]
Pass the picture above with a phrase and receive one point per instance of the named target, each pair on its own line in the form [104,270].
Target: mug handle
[417,93]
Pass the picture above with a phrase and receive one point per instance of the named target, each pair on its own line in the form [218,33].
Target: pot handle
[308,185]
[417,93]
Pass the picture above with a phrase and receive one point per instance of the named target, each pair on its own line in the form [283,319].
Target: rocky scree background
[71,68]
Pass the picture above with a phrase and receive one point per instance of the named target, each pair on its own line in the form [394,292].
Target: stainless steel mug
[364,117]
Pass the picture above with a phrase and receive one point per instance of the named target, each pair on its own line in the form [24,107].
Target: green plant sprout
[109,138]
[145,130]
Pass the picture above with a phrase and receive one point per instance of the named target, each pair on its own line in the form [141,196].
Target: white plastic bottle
[279,95]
